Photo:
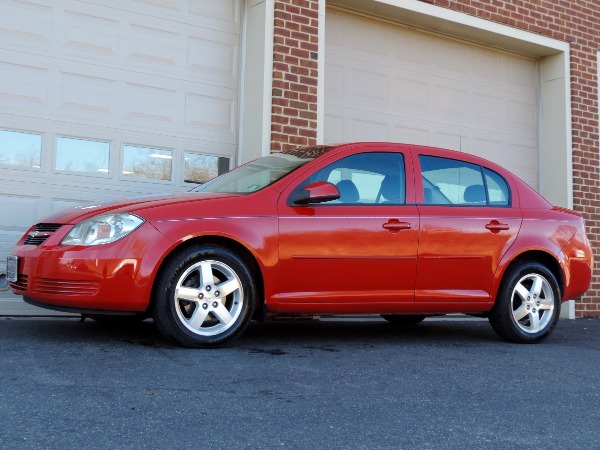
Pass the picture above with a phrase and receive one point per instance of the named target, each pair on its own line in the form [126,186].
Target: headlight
[102,229]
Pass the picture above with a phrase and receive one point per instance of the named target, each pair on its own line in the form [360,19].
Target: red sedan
[398,230]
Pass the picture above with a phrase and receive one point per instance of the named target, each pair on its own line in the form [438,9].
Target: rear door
[468,221]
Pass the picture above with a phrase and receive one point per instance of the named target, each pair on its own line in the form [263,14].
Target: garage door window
[20,149]
[149,163]
[82,155]
[200,168]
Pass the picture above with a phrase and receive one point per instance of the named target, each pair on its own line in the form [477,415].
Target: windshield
[262,172]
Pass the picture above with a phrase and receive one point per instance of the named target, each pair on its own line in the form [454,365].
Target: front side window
[453,182]
[20,149]
[366,178]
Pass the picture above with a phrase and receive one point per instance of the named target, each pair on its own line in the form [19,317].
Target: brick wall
[295,73]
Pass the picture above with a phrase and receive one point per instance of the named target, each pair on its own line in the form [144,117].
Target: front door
[358,253]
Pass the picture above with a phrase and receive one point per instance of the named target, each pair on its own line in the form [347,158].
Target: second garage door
[386,82]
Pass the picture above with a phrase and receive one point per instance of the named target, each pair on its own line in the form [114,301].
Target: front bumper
[110,277]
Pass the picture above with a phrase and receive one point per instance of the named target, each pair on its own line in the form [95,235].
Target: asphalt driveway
[299,384]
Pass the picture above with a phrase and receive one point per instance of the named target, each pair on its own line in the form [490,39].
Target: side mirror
[318,192]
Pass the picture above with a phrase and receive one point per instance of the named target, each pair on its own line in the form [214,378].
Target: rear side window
[497,187]
[453,182]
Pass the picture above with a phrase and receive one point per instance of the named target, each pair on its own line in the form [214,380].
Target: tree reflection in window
[200,168]
[20,149]
[145,162]
[82,155]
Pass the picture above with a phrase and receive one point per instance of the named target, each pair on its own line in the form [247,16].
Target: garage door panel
[213,58]
[149,105]
[213,116]
[488,67]
[87,94]
[90,33]
[523,159]
[8,238]
[24,84]
[452,59]
[18,210]
[447,137]
[373,128]
[522,114]
[370,85]
[141,46]
[37,29]
[410,92]
[414,133]
[222,15]
[521,72]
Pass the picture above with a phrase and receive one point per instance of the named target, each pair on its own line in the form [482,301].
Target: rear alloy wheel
[528,304]
[404,320]
[204,297]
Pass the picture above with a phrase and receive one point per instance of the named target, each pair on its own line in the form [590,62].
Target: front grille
[64,287]
[41,232]
[20,284]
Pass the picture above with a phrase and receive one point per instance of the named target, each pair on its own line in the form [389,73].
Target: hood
[130,204]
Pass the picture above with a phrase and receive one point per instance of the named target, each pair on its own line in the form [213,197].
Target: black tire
[191,300]
[528,304]
[404,320]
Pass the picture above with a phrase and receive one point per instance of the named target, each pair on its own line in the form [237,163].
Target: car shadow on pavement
[327,333]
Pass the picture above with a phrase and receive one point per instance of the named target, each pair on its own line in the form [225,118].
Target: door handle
[394,225]
[494,226]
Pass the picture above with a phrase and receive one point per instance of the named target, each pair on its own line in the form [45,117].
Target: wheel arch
[230,244]
[535,255]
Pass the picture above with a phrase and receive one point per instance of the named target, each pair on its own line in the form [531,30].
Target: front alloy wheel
[208,298]
[204,297]
[528,304]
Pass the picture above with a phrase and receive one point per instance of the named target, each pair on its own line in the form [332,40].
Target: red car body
[415,258]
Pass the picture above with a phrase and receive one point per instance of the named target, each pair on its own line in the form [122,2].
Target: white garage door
[109,98]
[385,82]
